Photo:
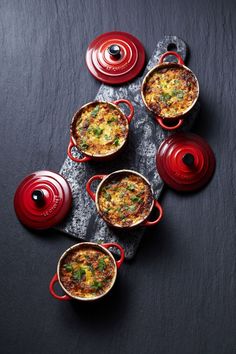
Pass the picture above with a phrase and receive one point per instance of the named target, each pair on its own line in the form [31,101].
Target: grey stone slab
[145,137]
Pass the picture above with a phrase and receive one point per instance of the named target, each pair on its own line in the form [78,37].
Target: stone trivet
[145,136]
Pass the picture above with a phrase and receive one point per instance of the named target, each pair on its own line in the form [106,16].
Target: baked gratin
[101,129]
[125,200]
[87,272]
[170,92]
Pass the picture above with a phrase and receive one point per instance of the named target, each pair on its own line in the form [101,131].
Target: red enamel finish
[52,292]
[122,252]
[88,185]
[56,277]
[176,121]
[169,127]
[93,195]
[166,54]
[56,203]
[129,104]
[155,222]
[110,69]
[177,174]
[75,118]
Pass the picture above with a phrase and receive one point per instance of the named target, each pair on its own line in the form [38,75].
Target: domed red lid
[42,200]
[115,57]
[185,161]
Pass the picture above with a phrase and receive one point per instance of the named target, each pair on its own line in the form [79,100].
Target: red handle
[69,153]
[122,252]
[152,223]
[88,185]
[129,104]
[169,127]
[51,289]
[166,54]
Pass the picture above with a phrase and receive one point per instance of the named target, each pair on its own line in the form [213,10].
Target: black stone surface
[140,155]
[177,295]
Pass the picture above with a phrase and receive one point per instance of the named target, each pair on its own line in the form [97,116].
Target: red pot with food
[86,271]
[170,91]
[124,199]
[99,130]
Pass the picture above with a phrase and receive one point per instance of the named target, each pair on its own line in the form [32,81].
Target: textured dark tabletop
[178,295]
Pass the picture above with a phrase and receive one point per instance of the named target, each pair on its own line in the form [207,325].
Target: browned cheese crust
[170,92]
[125,200]
[101,129]
[87,273]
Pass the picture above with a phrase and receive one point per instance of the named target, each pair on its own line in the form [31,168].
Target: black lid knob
[114,50]
[188,159]
[38,196]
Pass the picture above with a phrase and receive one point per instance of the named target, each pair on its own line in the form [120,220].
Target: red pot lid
[185,161]
[115,57]
[42,200]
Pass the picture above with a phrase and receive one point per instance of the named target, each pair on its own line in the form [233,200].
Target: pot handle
[121,249]
[169,127]
[129,104]
[52,292]
[88,185]
[152,223]
[69,153]
[166,54]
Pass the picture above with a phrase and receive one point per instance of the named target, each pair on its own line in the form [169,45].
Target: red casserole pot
[104,248]
[104,179]
[166,122]
[87,156]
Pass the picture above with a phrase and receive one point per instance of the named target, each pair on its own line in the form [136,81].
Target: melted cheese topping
[170,92]
[101,129]
[125,200]
[87,272]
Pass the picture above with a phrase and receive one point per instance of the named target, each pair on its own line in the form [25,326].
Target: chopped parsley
[101,264]
[68,267]
[97,131]
[136,199]
[84,145]
[96,285]
[131,187]
[112,119]
[116,141]
[95,112]
[78,274]
[165,97]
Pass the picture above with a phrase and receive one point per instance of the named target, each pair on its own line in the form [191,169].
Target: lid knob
[188,159]
[38,196]
[114,51]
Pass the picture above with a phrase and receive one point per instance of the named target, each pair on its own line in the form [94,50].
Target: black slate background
[178,294]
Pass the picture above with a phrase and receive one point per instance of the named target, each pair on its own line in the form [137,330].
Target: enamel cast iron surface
[185,162]
[42,200]
[115,57]
[104,248]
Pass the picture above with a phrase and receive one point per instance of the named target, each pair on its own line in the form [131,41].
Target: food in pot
[170,92]
[125,199]
[87,272]
[101,129]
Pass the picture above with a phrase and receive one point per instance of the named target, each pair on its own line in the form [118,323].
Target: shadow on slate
[83,222]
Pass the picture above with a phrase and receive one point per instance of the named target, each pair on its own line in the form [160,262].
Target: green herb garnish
[116,141]
[78,274]
[97,285]
[84,145]
[97,131]
[165,97]
[136,199]
[95,111]
[131,187]
[68,267]
[101,264]
[111,120]
[132,207]
[107,196]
